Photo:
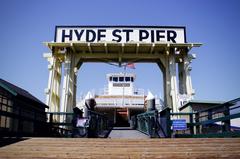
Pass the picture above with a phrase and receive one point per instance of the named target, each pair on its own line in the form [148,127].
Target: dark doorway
[122,118]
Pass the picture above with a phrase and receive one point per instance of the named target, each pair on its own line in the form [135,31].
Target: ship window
[127,79]
[121,79]
[131,79]
[110,79]
[115,79]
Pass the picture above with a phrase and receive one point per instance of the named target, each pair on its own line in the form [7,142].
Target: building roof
[234,101]
[17,91]
[191,102]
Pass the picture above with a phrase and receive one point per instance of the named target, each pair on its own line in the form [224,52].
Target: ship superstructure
[120,99]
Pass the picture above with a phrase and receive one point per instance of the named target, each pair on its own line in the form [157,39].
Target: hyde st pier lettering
[119,35]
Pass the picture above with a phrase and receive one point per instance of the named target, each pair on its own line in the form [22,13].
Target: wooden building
[21,114]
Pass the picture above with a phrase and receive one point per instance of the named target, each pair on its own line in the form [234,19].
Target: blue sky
[26,24]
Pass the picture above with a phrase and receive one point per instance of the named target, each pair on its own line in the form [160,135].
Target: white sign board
[120,34]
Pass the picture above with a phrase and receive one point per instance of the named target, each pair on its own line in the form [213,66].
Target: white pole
[123,102]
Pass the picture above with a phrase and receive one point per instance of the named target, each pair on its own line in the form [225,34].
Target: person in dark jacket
[77,115]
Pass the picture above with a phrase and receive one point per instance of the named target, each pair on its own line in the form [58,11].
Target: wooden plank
[62,148]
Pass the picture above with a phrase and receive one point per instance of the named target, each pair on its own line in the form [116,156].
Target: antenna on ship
[127,65]
[124,74]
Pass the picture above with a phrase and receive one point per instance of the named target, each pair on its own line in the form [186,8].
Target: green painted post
[146,125]
[210,114]
[197,121]
[227,123]
[191,122]
[51,123]
[169,123]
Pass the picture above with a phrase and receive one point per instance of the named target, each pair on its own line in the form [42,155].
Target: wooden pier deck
[74,148]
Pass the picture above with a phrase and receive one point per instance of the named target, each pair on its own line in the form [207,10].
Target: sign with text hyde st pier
[120,34]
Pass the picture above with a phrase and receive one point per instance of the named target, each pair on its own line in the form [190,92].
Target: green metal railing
[98,123]
[61,123]
[211,122]
[148,123]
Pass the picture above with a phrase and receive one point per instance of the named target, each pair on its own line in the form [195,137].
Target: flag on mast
[130,65]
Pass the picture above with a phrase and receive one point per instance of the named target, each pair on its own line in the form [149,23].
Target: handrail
[202,123]
[228,117]
[223,109]
[60,113]
[97,113]
[218,106]
[183,113]
[98,122]
[148,123]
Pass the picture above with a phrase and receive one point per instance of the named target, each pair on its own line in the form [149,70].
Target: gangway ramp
[126,133]
[181,148]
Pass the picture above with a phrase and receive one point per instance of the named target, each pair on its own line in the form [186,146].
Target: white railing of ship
[120,102]
[137,91]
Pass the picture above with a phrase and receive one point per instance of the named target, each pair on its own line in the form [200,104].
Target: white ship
[120,99]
